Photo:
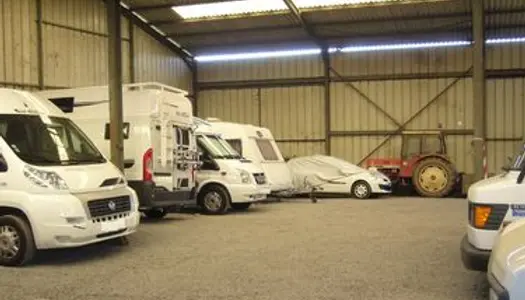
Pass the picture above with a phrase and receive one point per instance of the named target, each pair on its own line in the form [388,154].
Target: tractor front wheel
[434,177]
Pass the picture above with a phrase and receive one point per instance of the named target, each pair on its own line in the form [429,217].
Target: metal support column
[131,34]
[195,87]
[326,64]
[40,44]
[478,84]
[115,83]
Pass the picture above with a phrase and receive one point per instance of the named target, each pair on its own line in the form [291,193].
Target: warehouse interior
[342,78]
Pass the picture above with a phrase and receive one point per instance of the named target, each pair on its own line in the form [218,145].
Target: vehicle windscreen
[217,147]
[518,162]
[47,141]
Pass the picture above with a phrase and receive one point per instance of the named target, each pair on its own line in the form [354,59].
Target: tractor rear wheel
[434,177]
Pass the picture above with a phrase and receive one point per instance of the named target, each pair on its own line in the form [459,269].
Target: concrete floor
[396,249]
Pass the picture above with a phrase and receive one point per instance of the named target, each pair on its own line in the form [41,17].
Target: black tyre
[156,213]
[361,190]
[241,206]
[434,177]
[213,200]
[17,246]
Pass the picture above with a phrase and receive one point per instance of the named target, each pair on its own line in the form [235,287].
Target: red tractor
[424,164]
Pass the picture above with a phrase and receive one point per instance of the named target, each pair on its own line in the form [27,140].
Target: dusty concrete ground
[396,249]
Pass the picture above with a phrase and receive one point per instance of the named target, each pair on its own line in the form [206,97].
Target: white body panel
[499,189]
[507,261]
[60,217]
[276,169]
[228,175]
[155,114]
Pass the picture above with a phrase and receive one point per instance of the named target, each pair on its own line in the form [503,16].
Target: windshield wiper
[97,159]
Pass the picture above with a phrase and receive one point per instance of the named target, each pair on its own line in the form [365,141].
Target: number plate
[110,226]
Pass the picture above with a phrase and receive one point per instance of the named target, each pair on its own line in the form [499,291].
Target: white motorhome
[258,145]
[492,204]
[56,188]
[159,147]
[225,179]
[506,270]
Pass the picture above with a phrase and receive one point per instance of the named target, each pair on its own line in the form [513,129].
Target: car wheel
[241,206]
[156,213]
[213,200]
[17,246]
[361,190]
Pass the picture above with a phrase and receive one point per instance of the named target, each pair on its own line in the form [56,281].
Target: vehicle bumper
[152,196]
[496,291]
[473,258]
[381,188]
[242,193]
[64,220]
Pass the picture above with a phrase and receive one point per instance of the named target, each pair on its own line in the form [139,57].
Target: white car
[506,269]
[331,175]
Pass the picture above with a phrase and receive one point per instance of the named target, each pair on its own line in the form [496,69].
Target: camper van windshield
[43,140]
[217,147]
[518,162]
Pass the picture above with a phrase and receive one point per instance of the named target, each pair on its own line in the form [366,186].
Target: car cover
[316,170]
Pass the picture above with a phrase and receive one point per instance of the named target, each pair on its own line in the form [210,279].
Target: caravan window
[125,131]
[183,136]
[236,144]
[267,150]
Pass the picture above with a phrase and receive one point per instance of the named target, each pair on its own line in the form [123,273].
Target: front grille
[110,217]
[109,206]
[260,178]
[496,216]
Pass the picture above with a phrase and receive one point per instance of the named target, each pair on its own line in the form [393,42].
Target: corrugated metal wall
[74,35]
[402,83]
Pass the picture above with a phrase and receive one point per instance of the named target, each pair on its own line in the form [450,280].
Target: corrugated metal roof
[434,18]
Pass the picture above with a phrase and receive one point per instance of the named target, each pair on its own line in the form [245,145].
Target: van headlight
[245,176]
[45,179]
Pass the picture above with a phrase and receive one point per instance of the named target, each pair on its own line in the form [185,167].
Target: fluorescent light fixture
[324,3]
[369,48]
[158,30]
[351,49]
[258,55]
[124,5]
[229,8]
[506,40]
[140,17]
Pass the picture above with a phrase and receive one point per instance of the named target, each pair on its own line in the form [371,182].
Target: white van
[159,147]
[258,145]
[506,270]
[492,204]
[56,188]
[225,179]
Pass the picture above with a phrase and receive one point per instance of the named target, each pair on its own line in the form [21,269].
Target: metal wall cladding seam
[292,149]
[418,61]
[505,111]
[73,59]
[401,99]
[87,15]
[294,112]
[271,68]
[509,56]
[18,48]
[239,106]
[155,62]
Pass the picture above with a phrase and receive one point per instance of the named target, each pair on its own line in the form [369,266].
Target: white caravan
[506,270]
[492,204]
[258,145]
[56,189]
[225,179]
[159,147]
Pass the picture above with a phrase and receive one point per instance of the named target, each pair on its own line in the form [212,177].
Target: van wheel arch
[214,186]
[18,220]
[8,210]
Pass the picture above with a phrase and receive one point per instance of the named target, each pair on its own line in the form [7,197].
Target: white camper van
[258,145]
[492,204]
[159,147]
[56,189]
[225,179]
